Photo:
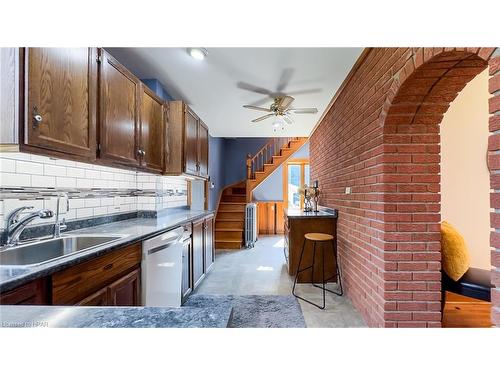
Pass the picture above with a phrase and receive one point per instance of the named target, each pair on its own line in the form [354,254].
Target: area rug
[256,311]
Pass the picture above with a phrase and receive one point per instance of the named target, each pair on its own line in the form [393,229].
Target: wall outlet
[348,190]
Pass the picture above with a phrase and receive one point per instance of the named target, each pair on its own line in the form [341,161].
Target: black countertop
[132,230]
[301,214]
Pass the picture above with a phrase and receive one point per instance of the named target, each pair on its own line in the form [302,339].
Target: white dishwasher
[161,269]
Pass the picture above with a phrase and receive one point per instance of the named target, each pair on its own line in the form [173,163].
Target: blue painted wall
[227,162]
[271,188]
[215,169]
[235,156]
[158,88]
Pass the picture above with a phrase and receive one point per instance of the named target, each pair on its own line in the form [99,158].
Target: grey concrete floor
[262,270]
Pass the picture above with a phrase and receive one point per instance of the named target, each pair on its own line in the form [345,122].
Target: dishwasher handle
[162,242]
[162,247]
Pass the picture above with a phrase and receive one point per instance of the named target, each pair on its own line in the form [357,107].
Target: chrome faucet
[15,226]
[60,225]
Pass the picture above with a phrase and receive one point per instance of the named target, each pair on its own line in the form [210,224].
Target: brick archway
[416,103]
[380,139]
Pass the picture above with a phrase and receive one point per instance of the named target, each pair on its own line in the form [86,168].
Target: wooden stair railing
[268,158]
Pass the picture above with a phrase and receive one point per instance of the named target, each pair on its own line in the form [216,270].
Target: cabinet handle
[37,118]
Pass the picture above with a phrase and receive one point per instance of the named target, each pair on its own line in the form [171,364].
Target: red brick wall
[381,138]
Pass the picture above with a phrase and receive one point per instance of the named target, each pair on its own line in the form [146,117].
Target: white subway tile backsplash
[54,170]
[107,176]
[43,181]
[7,165]
[15,179]
[100,211]
[21,170]
[83,183]
[92,174]
[75,172]
[65,182]
[84,212]
[76,203]
[28,167]
[92,202]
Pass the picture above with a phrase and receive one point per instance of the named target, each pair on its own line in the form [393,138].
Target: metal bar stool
[321,238]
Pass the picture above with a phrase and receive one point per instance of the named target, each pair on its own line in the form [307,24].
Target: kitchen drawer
[73,284]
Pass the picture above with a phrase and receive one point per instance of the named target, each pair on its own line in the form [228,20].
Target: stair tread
[231,220]
[237,241]
[229,230]
[235,203]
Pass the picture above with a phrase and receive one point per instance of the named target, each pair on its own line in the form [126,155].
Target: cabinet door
[279,228]
[209,243]
[119,114]
[61,89]
[32,293]
[191,143]
[152,131]
[198,252]
[187,280]
[266,217]
[99,298]
[125,291]
[203,150]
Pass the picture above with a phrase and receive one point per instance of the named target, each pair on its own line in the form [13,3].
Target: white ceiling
[210,86]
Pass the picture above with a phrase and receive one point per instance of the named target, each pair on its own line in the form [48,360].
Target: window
[296,174]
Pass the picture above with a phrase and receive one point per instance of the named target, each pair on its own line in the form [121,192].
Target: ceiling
[212,87]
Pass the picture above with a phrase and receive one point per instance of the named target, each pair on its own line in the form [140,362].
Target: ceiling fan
[281,108]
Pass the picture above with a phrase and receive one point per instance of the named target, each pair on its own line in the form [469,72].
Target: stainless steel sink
[36,253]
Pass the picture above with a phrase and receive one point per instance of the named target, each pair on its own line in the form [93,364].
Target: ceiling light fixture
[197,53]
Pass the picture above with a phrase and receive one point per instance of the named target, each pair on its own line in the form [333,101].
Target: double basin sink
[42,251]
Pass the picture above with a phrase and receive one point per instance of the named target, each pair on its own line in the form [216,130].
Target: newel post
[249,166]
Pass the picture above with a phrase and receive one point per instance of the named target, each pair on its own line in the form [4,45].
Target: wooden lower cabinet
[123,292]
[187,271]
[270,217]
[31,293]
[295,229]
[198,252]
[208,242]
[126,290]
[76,284]
[99,298]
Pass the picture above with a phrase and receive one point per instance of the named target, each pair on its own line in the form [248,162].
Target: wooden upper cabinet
[152,130]
[203,150]
[61,90]
[119,112]
[191,143]
[187,136]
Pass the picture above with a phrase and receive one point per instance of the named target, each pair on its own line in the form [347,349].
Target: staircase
[268,159]
[230,218]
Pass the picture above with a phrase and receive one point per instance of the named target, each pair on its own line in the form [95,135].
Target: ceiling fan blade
[303,110]
[252,88]
[285,102]
[257,108]
[285,78]
[288,120]
[263,117]
[306,91]
[267,100]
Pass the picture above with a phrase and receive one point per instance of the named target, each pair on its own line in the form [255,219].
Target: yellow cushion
[455,259]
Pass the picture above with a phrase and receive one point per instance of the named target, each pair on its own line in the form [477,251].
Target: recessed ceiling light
[197,53]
